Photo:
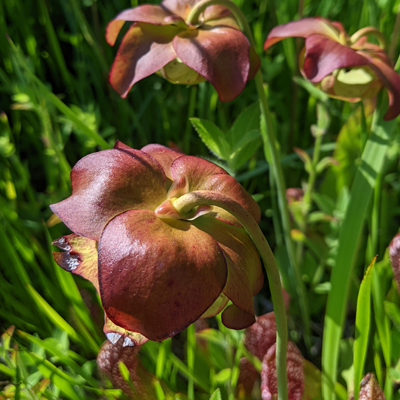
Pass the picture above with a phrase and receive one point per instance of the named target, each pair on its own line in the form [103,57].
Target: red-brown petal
[147,13]
[261,336]
[295,373]
[245,277]
[248,376]
[164,155]
[158,277]
[391,80]
[143,51]
[234,318]
[79,257]
[220,54]
[107,183]
[204,175]
[183,8]
[303,28]
[324,55]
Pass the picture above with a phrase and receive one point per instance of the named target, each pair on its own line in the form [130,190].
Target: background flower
[156,273]
[162,40]
[347,68]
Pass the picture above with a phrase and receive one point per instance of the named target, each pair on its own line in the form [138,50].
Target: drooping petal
[245,277]
[107,183]
[370,389]
[391,80]
[302,28]
[144,50]
[79,257]
[158,277]
[220,54]
[324,55]
[115,332]
[204,175]
[164,155]
[234,318]
[147,13]
[295,373]
[261,336]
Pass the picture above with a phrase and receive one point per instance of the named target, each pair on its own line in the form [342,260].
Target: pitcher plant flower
[345,67]
[156,270]
[163,39]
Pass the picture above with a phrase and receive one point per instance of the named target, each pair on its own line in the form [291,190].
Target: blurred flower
[162,40]
[370,389]
[156,271]
[260,340]
[394,254]
[344,67]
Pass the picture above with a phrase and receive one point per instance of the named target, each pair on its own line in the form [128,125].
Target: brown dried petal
[370,389]
[295,373]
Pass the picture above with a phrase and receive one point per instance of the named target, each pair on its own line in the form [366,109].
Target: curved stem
[269,140]
[272,155]
[185,204]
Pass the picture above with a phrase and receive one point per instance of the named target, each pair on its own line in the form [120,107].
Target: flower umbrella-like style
[157,271]
[163,40]
[345,67]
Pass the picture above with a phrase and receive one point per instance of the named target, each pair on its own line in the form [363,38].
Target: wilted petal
[220,54]
[391,80]
[79,257]
[261,335]
[394,253]
[234,318]
[324,55]
[107,183]
[143,51]
[204,175]
[115,332]
[164,155]
[303,28]
[148,13]
[370,389]
[295,373]
[245,277]
[158,277]
[108,360]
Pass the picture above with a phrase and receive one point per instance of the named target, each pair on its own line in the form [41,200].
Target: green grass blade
[363,321]
[372,162]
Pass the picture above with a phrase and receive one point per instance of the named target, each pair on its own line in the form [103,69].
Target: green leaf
[216,395]
[212,137]
[244,149]
[372,163]
[363,322]
[248,120]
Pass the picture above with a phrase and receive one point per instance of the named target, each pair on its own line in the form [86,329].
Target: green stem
[191,109]
[271,154]
[187,203]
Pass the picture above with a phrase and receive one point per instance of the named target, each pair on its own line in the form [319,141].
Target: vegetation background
[56,106]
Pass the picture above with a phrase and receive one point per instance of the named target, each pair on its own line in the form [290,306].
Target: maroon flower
[394,254]
[156,272]
[370,389]
[344,67]
[162,40]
